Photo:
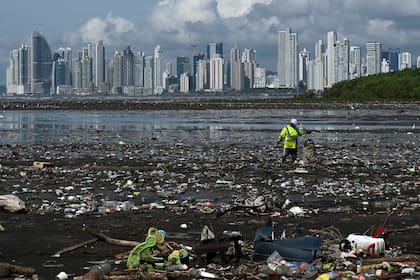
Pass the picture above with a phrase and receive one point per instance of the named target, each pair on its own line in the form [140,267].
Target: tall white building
[158,71]
[184,82]
[99,67]
[303,71]
[216,73]
[331,39]
[355,67]
[341,60]
[260,77]
[384,66]
[404,61]
[287,59]
[249,57]
[373,58]
[202,76]
[418,62]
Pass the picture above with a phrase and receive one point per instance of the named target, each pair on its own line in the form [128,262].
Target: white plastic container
[368,244]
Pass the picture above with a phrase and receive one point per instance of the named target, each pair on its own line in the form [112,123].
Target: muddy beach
[120,172]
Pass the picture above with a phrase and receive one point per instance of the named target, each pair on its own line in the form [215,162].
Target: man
[290,134]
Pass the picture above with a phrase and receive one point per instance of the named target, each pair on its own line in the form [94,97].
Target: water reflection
[207,125]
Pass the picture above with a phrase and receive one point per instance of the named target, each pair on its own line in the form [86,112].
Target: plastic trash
[12,203]
[62,276]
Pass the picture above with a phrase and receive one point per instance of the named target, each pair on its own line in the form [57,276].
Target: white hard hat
[294,122]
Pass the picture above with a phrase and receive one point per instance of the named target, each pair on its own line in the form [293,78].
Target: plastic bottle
[101,269]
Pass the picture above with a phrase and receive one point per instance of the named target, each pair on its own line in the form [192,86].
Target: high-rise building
[196,58]
[384,66]
[99,65]
[331,40]
[373,58]
[249,57]
[418,62]
[41,64]
[355,63]
[67,57]
[216,73]
[148,74]
[287,59]
[303,71]
[236,70]
[391,55]
[341,62]
[214,49]
[184,82]
[139,70]
[404,61]
[202,75]
[158,71]
[260,77]
[128,67]
[183,65]
[118,73]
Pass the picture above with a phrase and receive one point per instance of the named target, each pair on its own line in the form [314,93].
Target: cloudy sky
[183,27]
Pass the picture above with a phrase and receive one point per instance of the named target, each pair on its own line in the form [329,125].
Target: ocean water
[56,126]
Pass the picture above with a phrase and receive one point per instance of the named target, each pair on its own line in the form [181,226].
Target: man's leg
[293,153]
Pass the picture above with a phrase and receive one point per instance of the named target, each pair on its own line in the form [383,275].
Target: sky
[183,27]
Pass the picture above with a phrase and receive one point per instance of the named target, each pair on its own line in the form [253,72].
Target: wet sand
[359,177]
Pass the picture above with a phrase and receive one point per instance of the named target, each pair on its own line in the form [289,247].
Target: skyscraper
[249,57]
[214,49]
[41,64]
[303,72]
[183,65]
[287,59]
[373,58]
[404,61]
[148,74]
[99,65]
[355,63]
[158,71]
[331,39]
[139,70]
[128,67]
[341,62]
[216,73]
[196,58]
[236,70]
[202,75]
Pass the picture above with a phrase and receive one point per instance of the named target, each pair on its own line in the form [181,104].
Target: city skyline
[184,27]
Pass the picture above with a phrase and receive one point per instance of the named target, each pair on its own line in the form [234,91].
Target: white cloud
[108,29]
[237,8]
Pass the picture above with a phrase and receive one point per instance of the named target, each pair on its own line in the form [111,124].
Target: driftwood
[111,240]
[403,258]
[18,269]
[74,247]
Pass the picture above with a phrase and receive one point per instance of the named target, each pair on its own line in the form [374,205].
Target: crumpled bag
[12,203]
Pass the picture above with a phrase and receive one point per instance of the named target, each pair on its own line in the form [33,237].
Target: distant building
[330,66]
[355,63]
[373,58]
[184,82]
[216,73]
[158,71]
[41,64]
[384,66]
[404,61]
[287,59]
[196,58]
[341,60]
[214,49]
[202,75]
[249,57]
[303,71]
[183,65]
[148,74]
[260,78]
[99,67]
[418,62]
[236,70]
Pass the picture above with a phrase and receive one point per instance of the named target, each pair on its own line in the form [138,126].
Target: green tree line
[397,85]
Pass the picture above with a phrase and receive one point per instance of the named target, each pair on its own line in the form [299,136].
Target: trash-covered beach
[93,180]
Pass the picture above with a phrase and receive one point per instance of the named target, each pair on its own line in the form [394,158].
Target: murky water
[57,126]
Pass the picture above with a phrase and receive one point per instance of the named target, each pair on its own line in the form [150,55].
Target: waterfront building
[287,59]
[184,82]
[99,68]
[303,72]
[249,57]
[183,65]
[128,67]
[158,71]
[216,73]
[330,69]
[355,63]
[139,70]
[214,49]
[236,70]
[341,60]
[202,75]
[260,77]
[196,58]
[373,58]
[148,74]
[404,61]
[41,64]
